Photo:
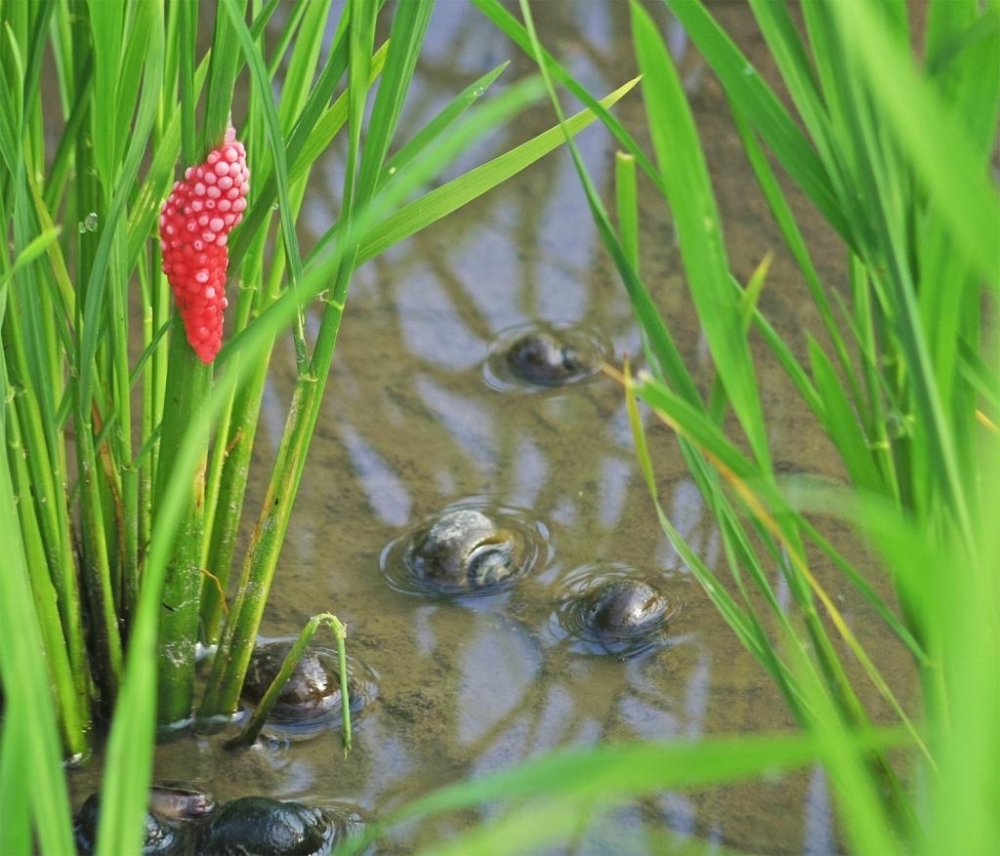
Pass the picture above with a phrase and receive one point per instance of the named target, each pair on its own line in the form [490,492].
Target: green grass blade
[516,32]
[761,106]
[605,777]
[15,831]
[627,207]
[928,133]
[409,25]
[441,122]
[29,709]
[699,228]
[449,197]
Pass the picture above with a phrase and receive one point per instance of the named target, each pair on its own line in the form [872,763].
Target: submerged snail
[466,549]
[182,820]
[160,836]
[265,825]
[613,610]
[544,356]
[313,686]
[624,609]
[545,359]
[311,699]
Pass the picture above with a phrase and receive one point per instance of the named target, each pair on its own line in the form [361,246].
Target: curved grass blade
[699,229]
[449,197]
[607,776]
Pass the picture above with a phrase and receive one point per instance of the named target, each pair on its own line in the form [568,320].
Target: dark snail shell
[613,610]
[161,836]
[266,827]
[625,609]
[546,359]
[311,699]
[534,357]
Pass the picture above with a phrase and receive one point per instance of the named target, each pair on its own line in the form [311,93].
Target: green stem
[188,383]
[228,507]
[240,631]
[250,731]
[69,681]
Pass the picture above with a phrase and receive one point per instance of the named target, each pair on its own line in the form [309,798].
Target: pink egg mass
[195,223]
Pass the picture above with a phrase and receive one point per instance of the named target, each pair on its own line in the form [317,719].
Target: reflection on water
[410,427]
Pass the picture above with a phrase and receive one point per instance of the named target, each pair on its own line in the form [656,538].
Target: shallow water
[411,425]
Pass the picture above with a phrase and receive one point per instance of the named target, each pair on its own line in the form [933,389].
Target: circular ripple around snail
[470,550]
[311,700]
[613,609]
[536,357]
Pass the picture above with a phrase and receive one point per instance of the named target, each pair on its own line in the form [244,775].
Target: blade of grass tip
[31,251]
[699,229]
[340,633]
[249,732]
[449,197]
[748,300]
[840,421]
[627,206]
[785,219]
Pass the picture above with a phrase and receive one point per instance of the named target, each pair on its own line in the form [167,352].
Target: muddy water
[411,426]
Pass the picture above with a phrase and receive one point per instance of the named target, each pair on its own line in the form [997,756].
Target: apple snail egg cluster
[195,223]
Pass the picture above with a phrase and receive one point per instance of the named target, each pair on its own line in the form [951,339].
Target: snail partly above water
[465,551]
[311,699]
[624,609]
[613,609]
[546,356]
[182,820]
